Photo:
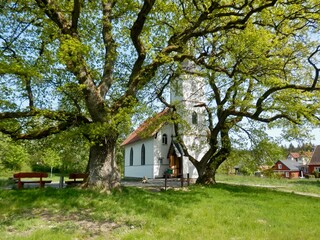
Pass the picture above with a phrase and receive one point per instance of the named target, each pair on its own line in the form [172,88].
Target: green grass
[296,185]
[219,212]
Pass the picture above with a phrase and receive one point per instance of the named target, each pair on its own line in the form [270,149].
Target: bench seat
[76,178]
[19,179]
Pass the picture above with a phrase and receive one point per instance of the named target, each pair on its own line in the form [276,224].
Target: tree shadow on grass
[92,204]
[163,204]
[241,190]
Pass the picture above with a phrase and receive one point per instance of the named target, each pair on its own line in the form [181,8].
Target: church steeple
[189,87]
[188,92]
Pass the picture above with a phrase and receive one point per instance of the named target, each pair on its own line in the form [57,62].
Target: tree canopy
[86,64]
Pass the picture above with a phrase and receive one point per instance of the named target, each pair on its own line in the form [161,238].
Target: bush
[309,176]
[268,172]
[316,174]
[12,155]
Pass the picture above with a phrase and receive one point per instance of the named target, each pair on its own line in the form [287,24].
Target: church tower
[188,95]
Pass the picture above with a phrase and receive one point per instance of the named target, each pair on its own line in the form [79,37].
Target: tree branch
[55,15]
[52,115]
[259,108]
[317,70]
[64,121]
[135,33]
[29,93]
[75,15]
[110,48]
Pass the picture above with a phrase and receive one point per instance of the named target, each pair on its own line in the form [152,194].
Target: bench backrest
[30,175]
[78,175]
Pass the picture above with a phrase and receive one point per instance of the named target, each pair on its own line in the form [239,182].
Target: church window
[194,118]
[164,139]
[131,157]
[143,155]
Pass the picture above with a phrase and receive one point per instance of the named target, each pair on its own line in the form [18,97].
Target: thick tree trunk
[207,175]
[103,170]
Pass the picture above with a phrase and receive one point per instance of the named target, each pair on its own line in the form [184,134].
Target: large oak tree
[84,64]
[265,73]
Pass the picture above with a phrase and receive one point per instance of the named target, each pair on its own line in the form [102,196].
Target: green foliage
[265,153]
[12,154]
[65,152]
[316,174]
[269,173]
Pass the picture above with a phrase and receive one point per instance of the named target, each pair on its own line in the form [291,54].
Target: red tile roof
[295,154]
[138,134]
[315,160]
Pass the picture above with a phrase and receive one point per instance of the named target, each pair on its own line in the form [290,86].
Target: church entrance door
[176,165]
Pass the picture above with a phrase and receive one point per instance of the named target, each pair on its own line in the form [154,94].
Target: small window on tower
[194,118]
[164,139]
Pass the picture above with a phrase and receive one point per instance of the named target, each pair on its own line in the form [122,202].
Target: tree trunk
[103,170]
[207,175]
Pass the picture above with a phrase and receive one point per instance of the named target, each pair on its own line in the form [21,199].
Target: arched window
[143,155]
[131,157]
[164,139]
[194,118]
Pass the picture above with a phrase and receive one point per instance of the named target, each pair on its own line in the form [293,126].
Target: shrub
[316,174]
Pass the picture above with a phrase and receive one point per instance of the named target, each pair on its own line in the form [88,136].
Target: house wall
[312,168]
[288,174]
[294,174]
[280,168]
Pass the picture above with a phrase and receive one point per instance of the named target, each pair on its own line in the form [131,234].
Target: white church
[151,153]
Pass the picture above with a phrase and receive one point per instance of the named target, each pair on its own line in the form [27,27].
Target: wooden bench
[27,175]
[77,178]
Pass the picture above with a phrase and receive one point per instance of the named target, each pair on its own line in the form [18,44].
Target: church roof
[141,132]
[175,148]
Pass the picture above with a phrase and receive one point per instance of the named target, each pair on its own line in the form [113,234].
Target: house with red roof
[294,156]
[152,149]
[314,164]
[287,168]
[303,158]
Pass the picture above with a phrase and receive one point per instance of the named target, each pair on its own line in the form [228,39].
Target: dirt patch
[81,223]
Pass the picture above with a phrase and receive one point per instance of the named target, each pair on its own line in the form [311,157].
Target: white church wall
[197,147]
[189,168]
[138,170]
[161,162]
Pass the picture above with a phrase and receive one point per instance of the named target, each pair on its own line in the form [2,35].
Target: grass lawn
[219,212]
[303,185]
